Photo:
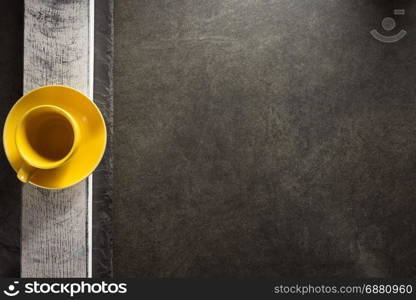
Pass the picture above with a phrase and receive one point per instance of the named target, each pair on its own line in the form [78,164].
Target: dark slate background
[257,138]
[103,175]
[11,85]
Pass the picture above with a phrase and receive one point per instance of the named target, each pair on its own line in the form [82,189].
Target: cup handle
[25,172]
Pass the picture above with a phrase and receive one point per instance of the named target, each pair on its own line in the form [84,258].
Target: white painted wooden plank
[56,225]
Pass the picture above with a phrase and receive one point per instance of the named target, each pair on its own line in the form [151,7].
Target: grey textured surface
[103,175]
[11,84]
[54,228]
[257,138]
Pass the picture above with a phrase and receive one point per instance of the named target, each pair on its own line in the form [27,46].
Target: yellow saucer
[93,135]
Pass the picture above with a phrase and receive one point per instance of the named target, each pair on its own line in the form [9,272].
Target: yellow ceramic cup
[46,138]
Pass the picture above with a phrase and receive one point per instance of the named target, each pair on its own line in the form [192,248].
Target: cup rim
[63,160]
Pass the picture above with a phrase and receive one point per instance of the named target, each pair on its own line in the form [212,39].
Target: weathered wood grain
[57,50]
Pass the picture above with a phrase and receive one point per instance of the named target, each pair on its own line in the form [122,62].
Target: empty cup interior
[45,136]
